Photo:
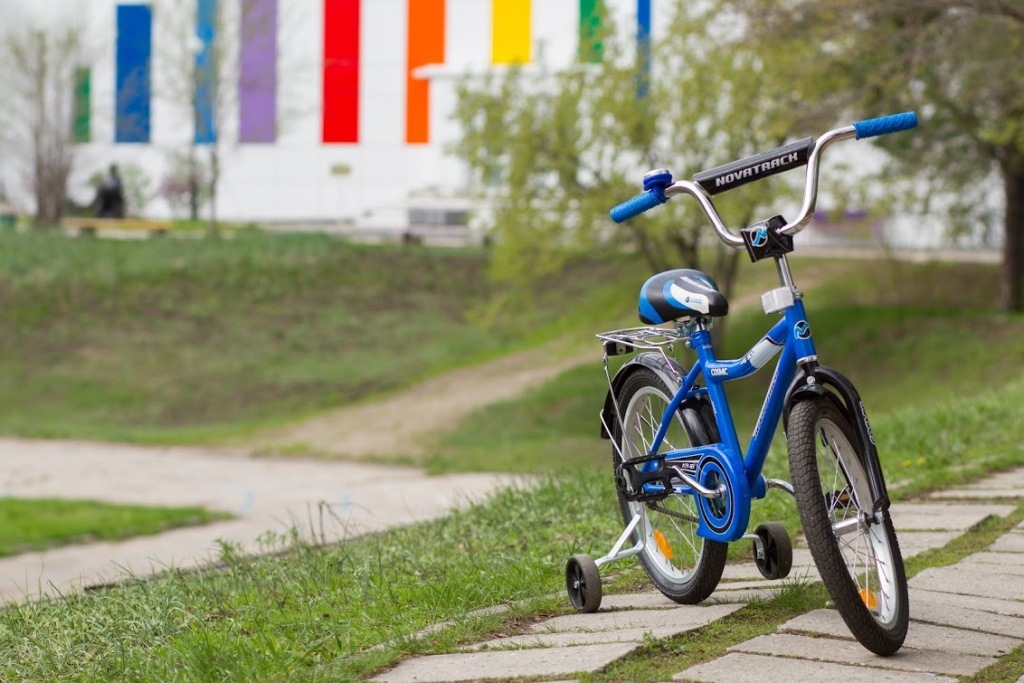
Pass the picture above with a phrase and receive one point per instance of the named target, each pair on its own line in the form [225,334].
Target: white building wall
[292,179]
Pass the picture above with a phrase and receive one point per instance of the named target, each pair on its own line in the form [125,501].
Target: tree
[37,77]
[197,43]
[200,50]
[959,63]
[553,151]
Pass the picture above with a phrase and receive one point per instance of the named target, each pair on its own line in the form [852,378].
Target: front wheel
[857,554]
[685,567]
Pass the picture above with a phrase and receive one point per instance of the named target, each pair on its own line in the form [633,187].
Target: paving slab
[1013,608]
[741,571]
[569,638]
[1012,542]
[919,636]
[943,516]
[738,667]
[972,580]
[1009,563]
[965,617]
[652,600]
[692,616]
[916,542]
[1012,480]
[850,652]
[477,666]
[977,494]
[740,596]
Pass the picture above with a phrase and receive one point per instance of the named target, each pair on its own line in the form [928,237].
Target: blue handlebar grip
[886,124]
[635,206]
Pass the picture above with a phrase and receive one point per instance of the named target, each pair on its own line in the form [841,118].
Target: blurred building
[338,110]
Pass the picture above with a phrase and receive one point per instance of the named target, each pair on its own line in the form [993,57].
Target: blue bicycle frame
[727,520]
[726,481]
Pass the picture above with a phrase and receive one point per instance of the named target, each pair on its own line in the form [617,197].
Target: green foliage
[959,64]
[554,151]
[39,524]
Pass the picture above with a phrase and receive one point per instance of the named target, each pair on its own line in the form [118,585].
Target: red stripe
[426,46]
[341,71]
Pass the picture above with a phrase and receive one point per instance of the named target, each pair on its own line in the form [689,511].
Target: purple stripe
[257,84]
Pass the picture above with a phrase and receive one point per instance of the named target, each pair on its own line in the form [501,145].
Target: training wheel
[583,583]
[773,551]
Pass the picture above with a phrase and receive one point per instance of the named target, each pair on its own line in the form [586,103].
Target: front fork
[821,380]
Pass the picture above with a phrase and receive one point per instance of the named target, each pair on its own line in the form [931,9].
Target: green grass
[185,340]
[317,613]
[40,524]
[347,611]
[937,369]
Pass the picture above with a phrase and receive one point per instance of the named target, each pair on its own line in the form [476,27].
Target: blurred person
[109,200]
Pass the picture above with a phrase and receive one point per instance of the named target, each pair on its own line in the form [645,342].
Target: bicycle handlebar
[662,188]
[636,206]
[884,125]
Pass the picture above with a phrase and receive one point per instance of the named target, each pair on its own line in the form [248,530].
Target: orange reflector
[663,545]
[869,598]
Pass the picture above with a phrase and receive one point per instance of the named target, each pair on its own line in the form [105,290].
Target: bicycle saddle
[680,293]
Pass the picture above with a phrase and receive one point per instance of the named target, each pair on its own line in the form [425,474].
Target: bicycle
[684,485]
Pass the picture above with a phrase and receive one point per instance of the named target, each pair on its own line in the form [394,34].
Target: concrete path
[323,500]
[963,617]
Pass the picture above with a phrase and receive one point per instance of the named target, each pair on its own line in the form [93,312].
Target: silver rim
[672,547]
[864,547]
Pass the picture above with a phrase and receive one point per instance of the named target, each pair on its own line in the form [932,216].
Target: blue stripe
[206,76]
[132,81]
[643,47]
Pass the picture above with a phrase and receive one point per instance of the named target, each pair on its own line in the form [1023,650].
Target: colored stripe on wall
[82,120]
[591,21]
[643,47]
[510,31]
[426,46]
[257,83]
[204,105]
[341,71]
[132,79]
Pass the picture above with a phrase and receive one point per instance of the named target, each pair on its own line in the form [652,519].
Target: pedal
[631,480]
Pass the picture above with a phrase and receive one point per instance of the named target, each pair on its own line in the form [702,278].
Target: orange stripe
[426,46]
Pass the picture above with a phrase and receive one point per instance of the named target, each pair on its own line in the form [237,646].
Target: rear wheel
[857,554]
[684,566]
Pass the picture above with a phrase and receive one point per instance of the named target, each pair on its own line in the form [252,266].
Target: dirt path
[403,424]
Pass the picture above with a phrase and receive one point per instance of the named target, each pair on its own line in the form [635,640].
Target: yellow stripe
[510,31]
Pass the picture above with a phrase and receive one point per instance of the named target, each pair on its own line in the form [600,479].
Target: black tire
[583,583]
[862,567]
[778,551]
[685,567]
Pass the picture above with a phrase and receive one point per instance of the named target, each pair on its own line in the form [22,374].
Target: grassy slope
[317,614]
[938,371]
[179,340]
[40,524]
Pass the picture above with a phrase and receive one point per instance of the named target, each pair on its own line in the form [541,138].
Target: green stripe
[591,23]
[82,124]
